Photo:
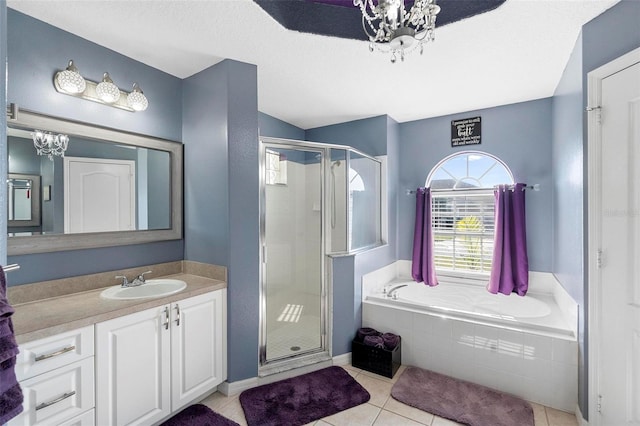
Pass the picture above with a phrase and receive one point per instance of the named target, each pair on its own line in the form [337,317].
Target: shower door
[293,308]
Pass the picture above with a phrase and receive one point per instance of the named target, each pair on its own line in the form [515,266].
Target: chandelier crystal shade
[47,143]
[392,28]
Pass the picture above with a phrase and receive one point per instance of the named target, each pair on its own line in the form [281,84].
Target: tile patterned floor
[382,410]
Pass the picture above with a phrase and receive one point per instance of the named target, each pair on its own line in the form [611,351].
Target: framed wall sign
[466,131]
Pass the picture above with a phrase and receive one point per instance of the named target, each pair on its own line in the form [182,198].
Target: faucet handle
[125,281]
[141,276]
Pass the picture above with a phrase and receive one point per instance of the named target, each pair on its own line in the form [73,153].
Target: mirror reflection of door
[99,195]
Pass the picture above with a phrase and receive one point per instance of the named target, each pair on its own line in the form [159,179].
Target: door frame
[594,218]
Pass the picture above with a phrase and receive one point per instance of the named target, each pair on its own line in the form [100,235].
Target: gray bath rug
[460,401]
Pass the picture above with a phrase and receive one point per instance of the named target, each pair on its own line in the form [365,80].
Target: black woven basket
[376,360]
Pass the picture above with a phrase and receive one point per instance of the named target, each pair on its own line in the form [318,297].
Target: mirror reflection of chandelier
[392,28]
[50,144]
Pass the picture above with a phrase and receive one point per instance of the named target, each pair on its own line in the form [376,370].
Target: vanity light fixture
[107,91]
[136,99]
[70,82]
[50,144]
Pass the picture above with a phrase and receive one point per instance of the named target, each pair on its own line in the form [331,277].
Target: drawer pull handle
[51,355]
[60,398]
[166,317]
[178,315]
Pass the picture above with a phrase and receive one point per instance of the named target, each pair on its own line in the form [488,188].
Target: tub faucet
[392,290]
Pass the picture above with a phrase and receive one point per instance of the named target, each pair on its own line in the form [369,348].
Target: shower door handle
[264,253]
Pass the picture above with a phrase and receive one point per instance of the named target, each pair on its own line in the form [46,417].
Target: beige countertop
[47,317]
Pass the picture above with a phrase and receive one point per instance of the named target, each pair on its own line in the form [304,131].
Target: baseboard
[580,418]
[344,359]
[235,388]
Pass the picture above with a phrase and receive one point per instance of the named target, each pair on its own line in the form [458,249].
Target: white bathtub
[536,313]
[525,346]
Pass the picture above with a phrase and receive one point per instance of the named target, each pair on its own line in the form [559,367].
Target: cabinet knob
[177,315]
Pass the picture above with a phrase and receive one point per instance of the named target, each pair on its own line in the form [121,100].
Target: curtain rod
[535,187]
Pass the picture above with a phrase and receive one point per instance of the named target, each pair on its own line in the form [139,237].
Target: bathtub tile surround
[538,365]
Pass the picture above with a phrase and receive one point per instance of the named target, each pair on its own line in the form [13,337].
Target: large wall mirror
[109,188]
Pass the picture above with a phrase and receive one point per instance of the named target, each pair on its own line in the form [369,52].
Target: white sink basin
[151,288]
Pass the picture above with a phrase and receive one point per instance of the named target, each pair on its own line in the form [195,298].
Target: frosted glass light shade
[107,91]
[70,80]
[136,99]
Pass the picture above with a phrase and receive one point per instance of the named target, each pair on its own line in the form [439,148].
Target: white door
[133,363]
[197,346]
[99,195]
[618,363]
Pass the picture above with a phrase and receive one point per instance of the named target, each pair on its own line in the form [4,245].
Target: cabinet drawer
[57,396]
[85,419]
[46,354]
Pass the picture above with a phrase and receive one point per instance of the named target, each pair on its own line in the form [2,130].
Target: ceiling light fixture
[107,91]
[393,29]
[50,144]
[70,82]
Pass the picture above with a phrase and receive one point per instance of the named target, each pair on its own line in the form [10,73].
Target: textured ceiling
[514,53]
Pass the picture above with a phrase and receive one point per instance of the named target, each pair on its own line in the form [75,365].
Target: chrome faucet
[392,290]
[139,280]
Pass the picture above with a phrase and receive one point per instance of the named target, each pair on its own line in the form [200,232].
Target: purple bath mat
[198,415]
[303,399]
[460,401]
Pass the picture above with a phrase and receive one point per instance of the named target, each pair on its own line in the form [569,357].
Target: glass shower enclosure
[316,200]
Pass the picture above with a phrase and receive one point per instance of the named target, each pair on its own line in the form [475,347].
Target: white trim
[234,388]
[344,359]
[594,141]
[580,418]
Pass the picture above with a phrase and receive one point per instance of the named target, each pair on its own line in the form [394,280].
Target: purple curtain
[423,266]
[510,266]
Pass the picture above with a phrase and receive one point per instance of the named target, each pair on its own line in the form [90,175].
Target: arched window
[462,211]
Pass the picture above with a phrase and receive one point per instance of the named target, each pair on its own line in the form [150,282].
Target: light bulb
[70,79]
[107,91]
[136,99]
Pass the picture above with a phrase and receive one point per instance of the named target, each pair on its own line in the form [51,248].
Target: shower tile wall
[293,265]
[538,368]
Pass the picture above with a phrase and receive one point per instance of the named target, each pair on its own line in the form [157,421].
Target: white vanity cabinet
[152,363]
[56,374]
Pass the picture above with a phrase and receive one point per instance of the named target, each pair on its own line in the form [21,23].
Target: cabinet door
[197,346]
[133,368]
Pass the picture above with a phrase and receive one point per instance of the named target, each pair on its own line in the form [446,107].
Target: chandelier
[393,29]
[47,143]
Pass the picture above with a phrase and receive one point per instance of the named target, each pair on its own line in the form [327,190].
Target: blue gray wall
[36,51]
[568,190]
[519,134]
[276,128]
[374,136]
[220,131]
[606,37]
